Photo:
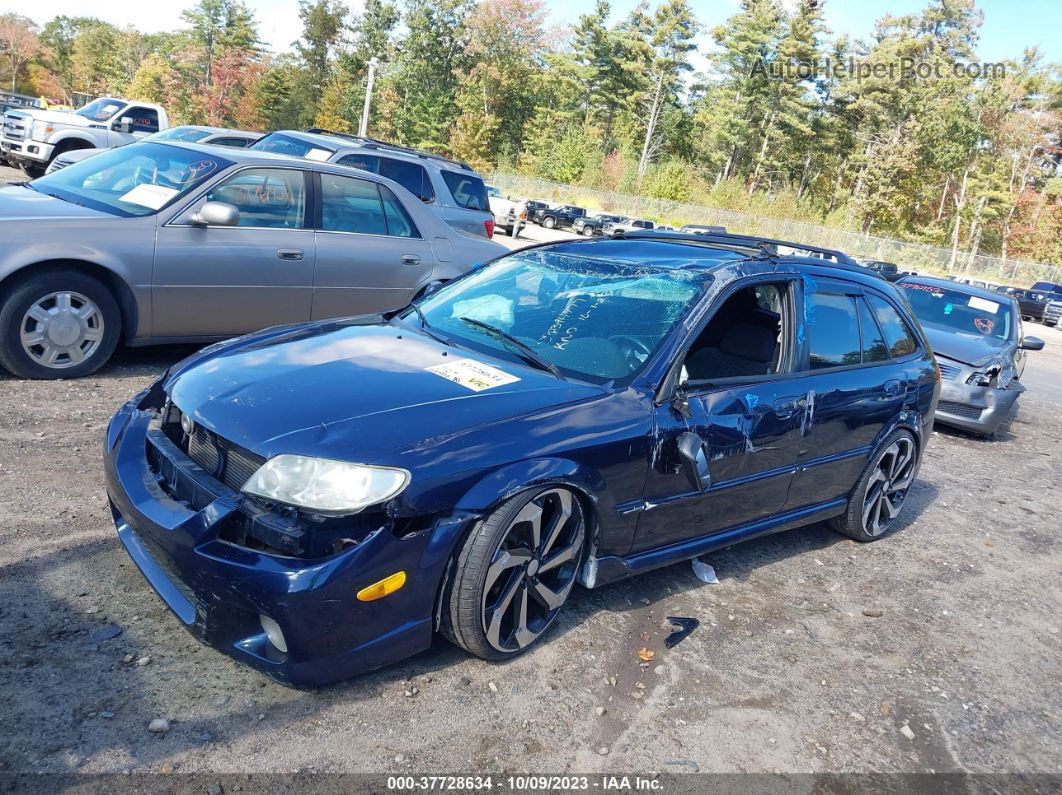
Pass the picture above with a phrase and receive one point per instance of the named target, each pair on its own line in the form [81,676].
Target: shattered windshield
[592,319]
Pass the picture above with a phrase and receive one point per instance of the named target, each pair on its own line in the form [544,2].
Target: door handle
[893,388]
[784,408]
[411,259]
[290,253]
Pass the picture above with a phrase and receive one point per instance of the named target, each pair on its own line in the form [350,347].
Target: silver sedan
[172,242]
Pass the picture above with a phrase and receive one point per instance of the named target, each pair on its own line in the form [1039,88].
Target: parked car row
[581,222]
[167,240]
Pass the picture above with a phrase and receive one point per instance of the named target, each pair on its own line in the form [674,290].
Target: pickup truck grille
[16,126]
[1053,310]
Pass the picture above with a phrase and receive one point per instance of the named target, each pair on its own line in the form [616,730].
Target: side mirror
[694,460]
[125,124]
[216,214]
[1032,343]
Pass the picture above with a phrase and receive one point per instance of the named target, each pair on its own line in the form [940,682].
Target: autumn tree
[19,43]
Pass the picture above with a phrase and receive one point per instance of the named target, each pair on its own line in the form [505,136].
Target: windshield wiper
[524,350]
[426,326]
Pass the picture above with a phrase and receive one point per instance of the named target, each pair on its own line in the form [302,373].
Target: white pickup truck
[32,137]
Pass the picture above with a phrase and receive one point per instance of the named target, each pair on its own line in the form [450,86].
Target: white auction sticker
[318,154]
[472,374]
[153,196]
[984,305]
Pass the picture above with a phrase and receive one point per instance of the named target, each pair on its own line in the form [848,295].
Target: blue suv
[322,499]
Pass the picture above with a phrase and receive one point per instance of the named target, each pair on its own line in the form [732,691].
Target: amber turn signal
[378,590]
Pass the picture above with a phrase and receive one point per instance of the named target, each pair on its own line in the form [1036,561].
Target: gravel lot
[934,649]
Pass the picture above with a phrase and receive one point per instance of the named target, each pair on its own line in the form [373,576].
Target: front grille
[960,409]
[228,462]
[949,372]
[15,126]
[59,163]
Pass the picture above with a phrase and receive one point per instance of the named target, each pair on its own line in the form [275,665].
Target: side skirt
[598,571]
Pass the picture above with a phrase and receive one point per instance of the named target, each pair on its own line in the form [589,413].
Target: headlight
[41,130]
[324,486]
[987,378]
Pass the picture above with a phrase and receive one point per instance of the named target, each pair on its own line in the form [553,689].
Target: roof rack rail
[770,245]
[375,143]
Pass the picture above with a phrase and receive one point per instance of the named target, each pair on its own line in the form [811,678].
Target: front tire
[58,324]
[549,222]
[34,170]
[514,573]
[881,490]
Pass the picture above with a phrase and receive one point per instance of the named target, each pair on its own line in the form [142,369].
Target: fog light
[187,424]
[379,590]
[272,631]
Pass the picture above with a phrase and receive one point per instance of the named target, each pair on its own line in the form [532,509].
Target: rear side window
[898,337]
[294,147]
[351,205]
[413,178]
[410,176]
[874,347]
[143,119]
[468,190]
[399,224]
[833,331]
[236,143]
[363,207]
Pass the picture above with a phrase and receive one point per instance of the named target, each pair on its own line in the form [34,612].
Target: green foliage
[940,157]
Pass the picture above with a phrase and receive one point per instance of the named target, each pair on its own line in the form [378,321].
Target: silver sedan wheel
[533,570]
[888,485]
[62,329]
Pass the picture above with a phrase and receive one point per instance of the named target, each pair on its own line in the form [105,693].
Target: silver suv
[453,190]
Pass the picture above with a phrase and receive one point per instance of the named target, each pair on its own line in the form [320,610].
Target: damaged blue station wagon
[319,500]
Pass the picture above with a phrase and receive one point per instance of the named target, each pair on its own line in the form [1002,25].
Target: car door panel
[751,447]
[849,405]
[370,254]
[360,274]
[223,280]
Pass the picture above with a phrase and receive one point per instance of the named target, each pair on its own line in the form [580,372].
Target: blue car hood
[969,348]
[353,392]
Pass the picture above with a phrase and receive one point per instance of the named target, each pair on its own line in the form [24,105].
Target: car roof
[254,157]
[336,141]
[945,284]
[679,252]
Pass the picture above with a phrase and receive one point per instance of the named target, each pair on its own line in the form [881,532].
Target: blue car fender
[513,478]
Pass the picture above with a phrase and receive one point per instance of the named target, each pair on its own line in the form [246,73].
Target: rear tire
[514,573]
[57,324]
[882,489]
[549,222]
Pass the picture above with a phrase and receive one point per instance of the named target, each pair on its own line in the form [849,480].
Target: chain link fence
[918,257]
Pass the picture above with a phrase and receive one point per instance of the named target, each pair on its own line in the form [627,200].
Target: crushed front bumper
[219,590]
[979,409]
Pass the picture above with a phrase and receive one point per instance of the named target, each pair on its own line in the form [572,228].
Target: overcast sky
[1010,25]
